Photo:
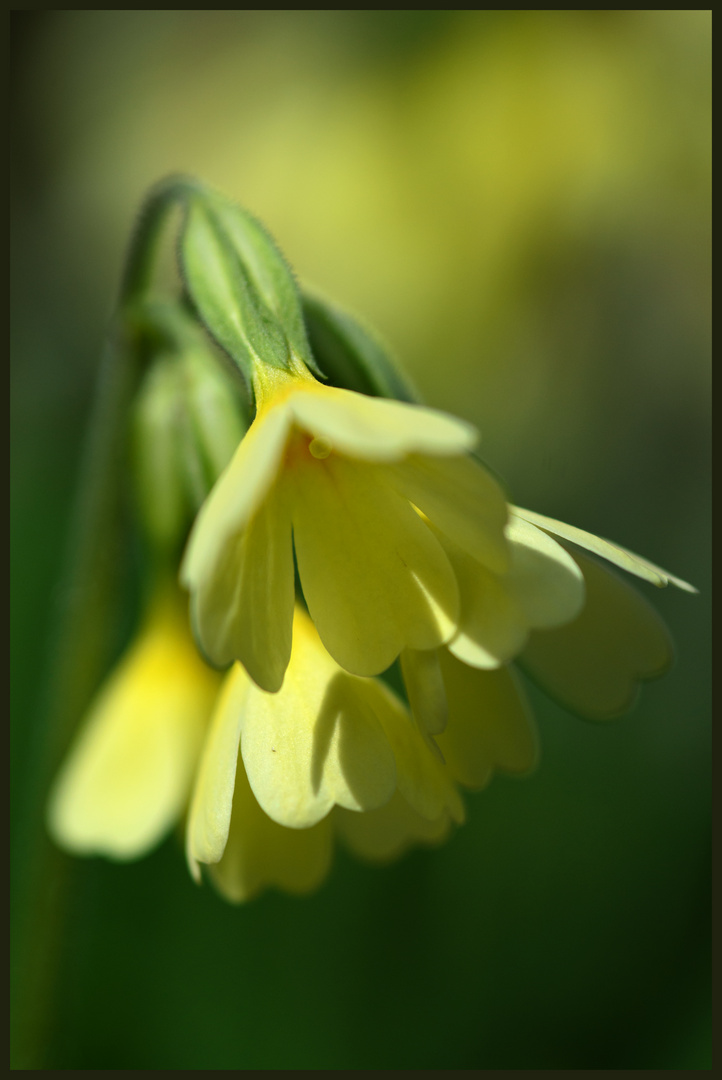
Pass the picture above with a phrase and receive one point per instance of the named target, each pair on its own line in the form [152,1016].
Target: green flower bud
[187,422]
[157,416]
[242,287]
[349,355]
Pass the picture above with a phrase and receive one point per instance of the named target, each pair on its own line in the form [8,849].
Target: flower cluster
[406,551]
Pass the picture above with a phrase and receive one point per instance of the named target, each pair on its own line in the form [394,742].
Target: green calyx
[188,418]
[242,287]
[349,354]
[236,279]
[244,294]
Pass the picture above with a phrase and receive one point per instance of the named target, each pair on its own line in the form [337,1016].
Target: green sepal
[156,441]
[349,354]
[218,419]
[188,419]
[241,286]
[269,273]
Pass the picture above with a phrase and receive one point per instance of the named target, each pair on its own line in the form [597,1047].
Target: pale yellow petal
[425,688]
[377,429]
[210,810]
[127,776]
[594,664]
[244,609]
[317,742]
[237,494]
[492,625]
[260,853]
[422,778]
[543,578]
[461,499]
[375,578]
[622,558]
[384,834]
[491,726]
[542,587]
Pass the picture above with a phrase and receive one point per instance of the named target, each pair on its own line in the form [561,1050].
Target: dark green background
[520,203]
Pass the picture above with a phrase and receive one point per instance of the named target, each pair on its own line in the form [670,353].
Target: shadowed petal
[491,726]
[245,609]
[423,780]
[425,688]
[375,578]
[462,500]
[384,834]
[261,854]
[594,664]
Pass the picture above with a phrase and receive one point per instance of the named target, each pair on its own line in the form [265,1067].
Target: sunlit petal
[377,429]
[317,742]
[237,494]
[543,578]
[210,811]
[543,586]
[492,624]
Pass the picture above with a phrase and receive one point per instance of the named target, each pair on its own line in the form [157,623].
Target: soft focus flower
[341,474]
[127,776]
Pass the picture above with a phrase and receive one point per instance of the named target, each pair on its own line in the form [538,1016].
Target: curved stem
[142,252]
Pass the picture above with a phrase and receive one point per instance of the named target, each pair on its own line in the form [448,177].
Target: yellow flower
[576,627]
[330,752]
[337,475]
[314,763]
[584,634]
[128,774]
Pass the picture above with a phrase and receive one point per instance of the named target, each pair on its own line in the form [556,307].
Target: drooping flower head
[404,546]
[339,477]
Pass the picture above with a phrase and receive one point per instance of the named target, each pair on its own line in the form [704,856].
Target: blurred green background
[519,202]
